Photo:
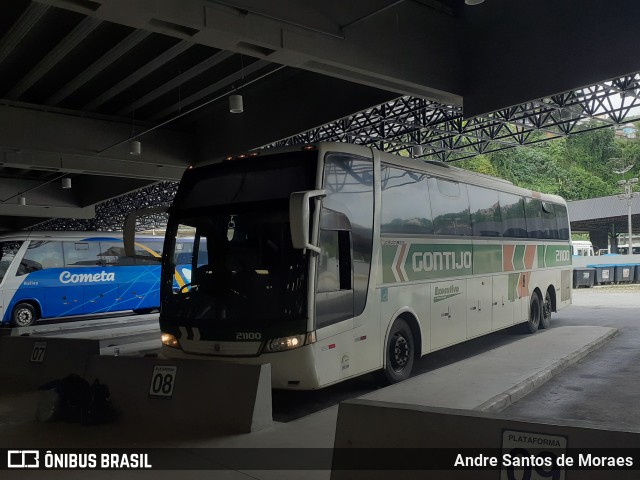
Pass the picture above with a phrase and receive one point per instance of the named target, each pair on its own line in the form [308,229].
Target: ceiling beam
[27,21]
[223,84]
[44,211]
[98,66]
[138,75]
[299,100]
[66,45]
[176,82]
[50,141]
[407,49]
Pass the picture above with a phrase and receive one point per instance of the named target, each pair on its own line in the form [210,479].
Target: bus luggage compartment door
[448,313]
[479,308]
[100,298]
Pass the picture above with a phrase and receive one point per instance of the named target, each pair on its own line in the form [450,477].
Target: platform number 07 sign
[38,351]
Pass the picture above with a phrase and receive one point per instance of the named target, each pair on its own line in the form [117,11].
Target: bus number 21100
[248,336]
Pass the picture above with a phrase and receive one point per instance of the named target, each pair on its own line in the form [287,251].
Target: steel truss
[444,134]
[110,214]
[441,131]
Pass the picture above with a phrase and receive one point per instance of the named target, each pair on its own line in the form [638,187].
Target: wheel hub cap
[24,316]
[401,352]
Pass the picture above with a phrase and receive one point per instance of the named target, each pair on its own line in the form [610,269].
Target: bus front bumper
[292,369]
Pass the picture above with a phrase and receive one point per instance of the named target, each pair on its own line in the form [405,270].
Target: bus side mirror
[129,230]
[299,218]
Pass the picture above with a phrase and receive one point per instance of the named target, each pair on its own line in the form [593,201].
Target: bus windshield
[236,268]
[8,251]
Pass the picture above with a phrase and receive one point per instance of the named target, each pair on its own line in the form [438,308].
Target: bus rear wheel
[545,317]
[23,315]
[535,314]
[399,353]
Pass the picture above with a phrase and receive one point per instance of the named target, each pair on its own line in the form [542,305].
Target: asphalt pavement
[603,387]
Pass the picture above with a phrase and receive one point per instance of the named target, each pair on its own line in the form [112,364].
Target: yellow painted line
[176,275]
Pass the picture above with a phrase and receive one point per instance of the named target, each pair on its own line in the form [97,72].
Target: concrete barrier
[424,442]
[199,397]
[28,362]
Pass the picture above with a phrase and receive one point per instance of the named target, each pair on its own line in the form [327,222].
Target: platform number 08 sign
[163,380]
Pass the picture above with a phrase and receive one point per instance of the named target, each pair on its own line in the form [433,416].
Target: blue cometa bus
[61,274]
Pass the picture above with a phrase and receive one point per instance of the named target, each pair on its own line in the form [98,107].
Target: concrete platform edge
[515,393]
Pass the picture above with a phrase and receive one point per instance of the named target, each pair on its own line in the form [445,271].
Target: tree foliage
[576,167]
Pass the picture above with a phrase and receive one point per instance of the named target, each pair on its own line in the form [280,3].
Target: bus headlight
[288,343]
[170,341]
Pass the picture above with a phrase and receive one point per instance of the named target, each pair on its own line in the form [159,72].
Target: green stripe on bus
[557,255]
[540,256]
[513,286]
[423,261]
[518,257]
[487,259]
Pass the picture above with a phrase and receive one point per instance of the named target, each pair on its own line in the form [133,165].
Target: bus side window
[563,221]
[81,253]
[41,255]
[513,219]
[450,207]
[112,253]
[8,252]
[533,214]
[486,218]
[145,257]
[405,202]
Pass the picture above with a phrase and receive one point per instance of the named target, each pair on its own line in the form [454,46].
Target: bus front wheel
[399,354]
[23,315]
[535,314]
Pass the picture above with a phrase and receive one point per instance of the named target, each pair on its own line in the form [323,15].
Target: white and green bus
[334,260]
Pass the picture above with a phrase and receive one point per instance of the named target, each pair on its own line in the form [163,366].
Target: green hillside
[576,167]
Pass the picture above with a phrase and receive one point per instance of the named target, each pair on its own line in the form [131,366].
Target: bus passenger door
[334,283]
[448,313]
[479,299]
[502,303]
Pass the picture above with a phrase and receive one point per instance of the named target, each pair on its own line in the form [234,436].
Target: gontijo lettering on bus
[406,261]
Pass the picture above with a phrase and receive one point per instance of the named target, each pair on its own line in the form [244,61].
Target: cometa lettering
[68,277]
[434,261]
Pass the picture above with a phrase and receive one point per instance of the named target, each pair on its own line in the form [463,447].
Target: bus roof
[434,168]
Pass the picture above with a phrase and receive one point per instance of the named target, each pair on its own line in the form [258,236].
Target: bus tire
[23,315]
[535,314]
[399,353]
[545,316]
